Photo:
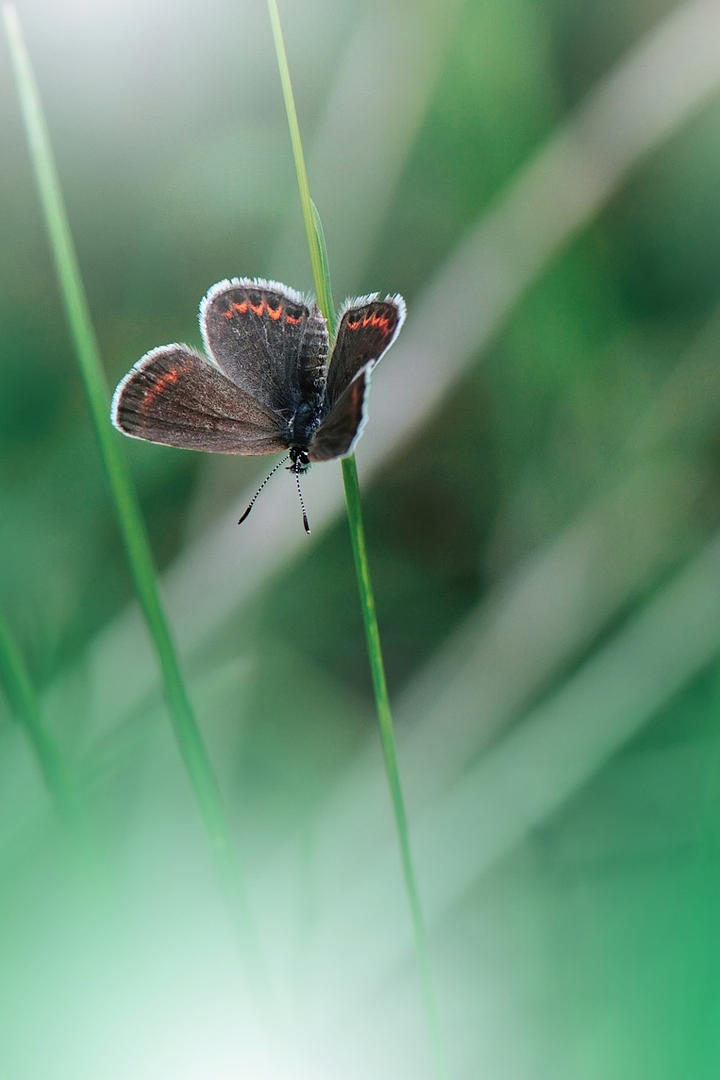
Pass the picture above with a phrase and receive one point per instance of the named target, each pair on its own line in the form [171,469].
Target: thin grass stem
[321,277]
[305,201]
[387,738]
[136,542]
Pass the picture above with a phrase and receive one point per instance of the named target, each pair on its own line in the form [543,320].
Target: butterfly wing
[267,341]
[367,328]
[175,397]
[343,426]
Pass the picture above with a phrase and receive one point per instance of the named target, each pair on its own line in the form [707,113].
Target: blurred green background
[540,479]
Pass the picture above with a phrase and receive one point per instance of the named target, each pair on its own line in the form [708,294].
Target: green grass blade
[23,702]
[387,737]
[302,179]
[189,739]
[321,278]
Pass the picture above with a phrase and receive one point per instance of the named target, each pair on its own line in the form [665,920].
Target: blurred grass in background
[540,479]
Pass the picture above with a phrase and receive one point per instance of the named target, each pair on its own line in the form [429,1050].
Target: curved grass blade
[329,307]
[137,546]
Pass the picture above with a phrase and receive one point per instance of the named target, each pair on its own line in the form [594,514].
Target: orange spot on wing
[160,385]
[293,320]
[378,322]
[236,307]
[259,309]
[274,313]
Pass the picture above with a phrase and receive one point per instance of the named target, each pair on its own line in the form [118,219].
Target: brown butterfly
[267,386]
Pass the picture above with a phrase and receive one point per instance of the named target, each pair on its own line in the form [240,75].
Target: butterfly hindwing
[267,340]
[343,425]
[175,397]
[367,328]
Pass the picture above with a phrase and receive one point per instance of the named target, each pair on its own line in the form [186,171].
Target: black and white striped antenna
[271,473]
[306,523]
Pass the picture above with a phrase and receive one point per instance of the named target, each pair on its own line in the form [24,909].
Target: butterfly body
[303,424]
[266,385]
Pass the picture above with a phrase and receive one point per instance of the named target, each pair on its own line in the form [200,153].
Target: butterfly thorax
[304,424]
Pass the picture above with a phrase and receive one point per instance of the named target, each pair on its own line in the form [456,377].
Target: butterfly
[265,385]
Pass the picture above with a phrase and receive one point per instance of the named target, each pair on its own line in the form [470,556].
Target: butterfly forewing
[175,397]
[267,340]
[368,326]
[343,425]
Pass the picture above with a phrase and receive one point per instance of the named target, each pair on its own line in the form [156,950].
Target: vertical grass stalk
[189,740]
[321,278]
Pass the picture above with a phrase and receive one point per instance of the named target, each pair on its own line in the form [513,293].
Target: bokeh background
[540,482]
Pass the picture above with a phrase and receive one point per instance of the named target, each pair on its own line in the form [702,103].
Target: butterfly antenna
[306,523]
[252,501]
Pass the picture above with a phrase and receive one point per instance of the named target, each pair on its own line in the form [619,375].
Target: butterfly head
[299,461]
